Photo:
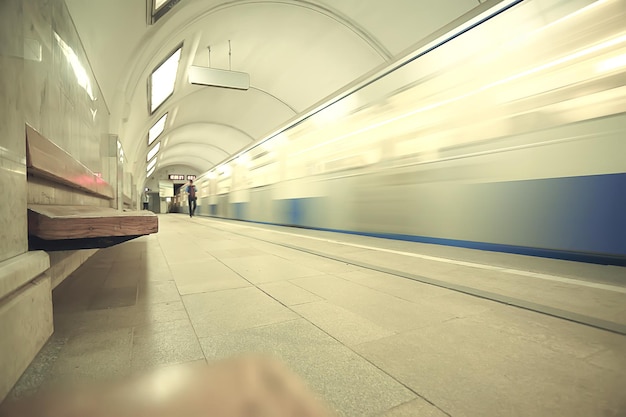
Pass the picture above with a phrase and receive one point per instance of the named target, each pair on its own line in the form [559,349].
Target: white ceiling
[297,53]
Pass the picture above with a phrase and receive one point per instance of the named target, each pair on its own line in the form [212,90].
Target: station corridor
[367,343]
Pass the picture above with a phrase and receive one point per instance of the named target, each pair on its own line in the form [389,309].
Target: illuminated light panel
[163,79]
[79,71]
[153,151]
[159,3]
[150,172]
[157,129]
[151,164]
[218,78]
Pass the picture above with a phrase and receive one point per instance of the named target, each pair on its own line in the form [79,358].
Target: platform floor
[375,327]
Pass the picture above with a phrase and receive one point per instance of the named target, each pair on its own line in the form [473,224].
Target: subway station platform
[374,327]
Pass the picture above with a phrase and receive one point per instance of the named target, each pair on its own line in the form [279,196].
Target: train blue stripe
[573,218]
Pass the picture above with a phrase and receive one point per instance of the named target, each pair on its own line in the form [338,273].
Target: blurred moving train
[506,134]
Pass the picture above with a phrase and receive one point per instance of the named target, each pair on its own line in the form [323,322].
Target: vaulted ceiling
[297,53]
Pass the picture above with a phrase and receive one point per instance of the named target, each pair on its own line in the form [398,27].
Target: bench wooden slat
[79,222]
[45,159]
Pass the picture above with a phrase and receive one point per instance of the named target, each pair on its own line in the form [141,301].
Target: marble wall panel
[13,220]
[90,115]
[11,68]
[63,98]
[90,147]
[12,150]
[44,192]
[25,325]
[108,150]
[46,82]
[38,38]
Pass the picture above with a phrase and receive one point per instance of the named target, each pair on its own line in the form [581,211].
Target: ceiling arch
[195,162]
[225,138]
[183,150]
[297,52]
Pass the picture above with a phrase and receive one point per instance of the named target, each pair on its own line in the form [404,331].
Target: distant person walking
[146,200]
[191,198]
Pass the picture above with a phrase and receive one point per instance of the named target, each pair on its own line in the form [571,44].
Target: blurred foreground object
[241,387]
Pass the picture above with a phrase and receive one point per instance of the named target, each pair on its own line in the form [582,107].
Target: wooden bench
[64,227]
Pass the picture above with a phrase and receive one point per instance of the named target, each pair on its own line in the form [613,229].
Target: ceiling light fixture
[214,77]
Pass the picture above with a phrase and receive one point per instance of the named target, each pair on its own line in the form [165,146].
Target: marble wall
[12,152]
[45,81]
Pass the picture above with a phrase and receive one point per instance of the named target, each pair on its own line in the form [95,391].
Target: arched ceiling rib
[181,151]
[195,162]
[297,52]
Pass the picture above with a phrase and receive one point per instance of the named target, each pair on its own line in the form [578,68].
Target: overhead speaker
[219,78]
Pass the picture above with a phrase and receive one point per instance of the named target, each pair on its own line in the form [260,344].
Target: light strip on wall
[157,129]
[162,80]
[153,151]
[80,72]
[151,164]
[159,3]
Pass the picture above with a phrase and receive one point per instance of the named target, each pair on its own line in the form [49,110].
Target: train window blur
[436,146]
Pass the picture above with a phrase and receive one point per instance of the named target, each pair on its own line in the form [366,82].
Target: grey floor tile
[164,343]
[400,287]
[292,341]
[384,259]
[224,311]
[221,244]
[157,292]
[145,314]
[118,278]
[76,291]
[609,359]
[157,271]
[154,253]
[94,355]
[70,324]
[182,253]
[113,297]
[235,252]
[595,302]
[345,326]
[351,385]
[38,371]
[468,368]
[416,408]
[561,336]
[128,251]
[269,268]
[289,294]
[467,356]
[99,260]
[206,276]
[117,318]
[455,305]
[316,262]
[389,312]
